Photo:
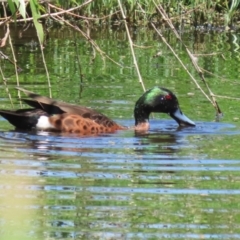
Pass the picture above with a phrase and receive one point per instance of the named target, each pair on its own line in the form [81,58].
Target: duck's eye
[168,97]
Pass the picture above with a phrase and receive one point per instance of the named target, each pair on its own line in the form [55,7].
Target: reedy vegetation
[199,12]
[215,14]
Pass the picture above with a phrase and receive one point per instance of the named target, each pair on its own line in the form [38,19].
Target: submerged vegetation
[82,16]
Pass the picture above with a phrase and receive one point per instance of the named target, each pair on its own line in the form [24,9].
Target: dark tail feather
[23,118]
[50,109]
[32,103]
[37,97]
[28,93]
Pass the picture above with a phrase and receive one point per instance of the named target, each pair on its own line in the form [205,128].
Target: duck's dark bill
[182,119]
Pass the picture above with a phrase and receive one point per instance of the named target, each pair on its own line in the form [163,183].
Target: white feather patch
[44,124]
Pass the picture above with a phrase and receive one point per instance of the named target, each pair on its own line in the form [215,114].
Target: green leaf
[22,7]
[12,8]
[36,15]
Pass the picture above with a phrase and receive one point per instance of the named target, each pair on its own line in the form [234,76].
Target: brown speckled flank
[77,124]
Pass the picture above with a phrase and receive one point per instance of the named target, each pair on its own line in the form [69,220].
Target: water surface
[171,182]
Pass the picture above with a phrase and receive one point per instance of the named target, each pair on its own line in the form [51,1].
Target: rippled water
[120,186]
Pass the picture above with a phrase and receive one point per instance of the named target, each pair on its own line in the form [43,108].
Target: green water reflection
[170,183]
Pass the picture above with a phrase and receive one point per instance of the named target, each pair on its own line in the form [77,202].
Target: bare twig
[93,43]
[4,79]
[6,86]
[78,16]
[6,18]
[131,46]
[46,69]
[52,14]
[226,97]
[205,54]
[4,39]
[79,67]
[3,56]
[193,59]
[185,68]
[14,59]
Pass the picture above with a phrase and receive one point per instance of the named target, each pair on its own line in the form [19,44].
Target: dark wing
[52,106]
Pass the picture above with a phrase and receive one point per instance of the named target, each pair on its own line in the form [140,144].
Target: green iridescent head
[159,99]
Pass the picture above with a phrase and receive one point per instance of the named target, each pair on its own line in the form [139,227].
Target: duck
[48,114]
